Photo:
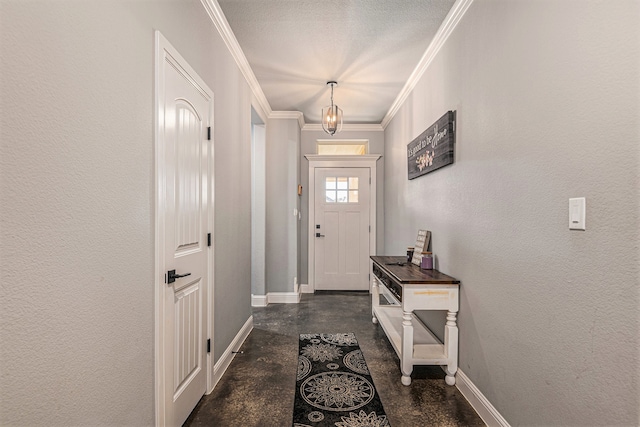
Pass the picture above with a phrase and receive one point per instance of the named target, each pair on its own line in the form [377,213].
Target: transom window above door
[347,147]
[341,189]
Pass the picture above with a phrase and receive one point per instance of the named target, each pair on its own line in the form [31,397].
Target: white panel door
[185,110]
[341,228]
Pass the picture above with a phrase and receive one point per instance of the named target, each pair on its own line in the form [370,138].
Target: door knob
[172,276]
[319,235]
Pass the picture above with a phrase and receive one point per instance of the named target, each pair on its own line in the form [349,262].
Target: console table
[407,288]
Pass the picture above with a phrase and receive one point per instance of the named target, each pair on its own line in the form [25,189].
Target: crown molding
[222,25]
[446,28]
[349,127]
[296,115]
[257,106]
[285,115]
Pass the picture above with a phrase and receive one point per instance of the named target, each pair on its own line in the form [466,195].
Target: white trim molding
[259,300]
[479,402]
[347,127]
[222,25]
[446,28]
[276,298]
[285,115]
[296,115]
[283,297]
[225,360]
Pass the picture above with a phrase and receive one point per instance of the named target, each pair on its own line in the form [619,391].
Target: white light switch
[577,213]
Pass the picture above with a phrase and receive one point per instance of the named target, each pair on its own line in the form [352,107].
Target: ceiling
[370,47]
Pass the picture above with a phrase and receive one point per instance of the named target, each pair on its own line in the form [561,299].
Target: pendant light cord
[331,95]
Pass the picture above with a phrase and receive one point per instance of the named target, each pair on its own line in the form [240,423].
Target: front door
[342,228]
[185,108]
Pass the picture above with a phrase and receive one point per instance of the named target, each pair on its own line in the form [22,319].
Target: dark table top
[407,273]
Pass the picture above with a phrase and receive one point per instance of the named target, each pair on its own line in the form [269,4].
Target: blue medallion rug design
[334,387]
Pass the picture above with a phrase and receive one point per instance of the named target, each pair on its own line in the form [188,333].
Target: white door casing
[184,217]
[323,161]
[342,228]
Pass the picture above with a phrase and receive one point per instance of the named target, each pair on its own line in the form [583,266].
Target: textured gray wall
[308,146]
[547,98]
[77,210]
[282,172]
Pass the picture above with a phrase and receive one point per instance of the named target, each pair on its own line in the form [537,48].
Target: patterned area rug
[334,387]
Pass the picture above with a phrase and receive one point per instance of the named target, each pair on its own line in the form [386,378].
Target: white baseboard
[275,298]
[225,360]
[306,289]
[259,300]
[283,297]
[480,403]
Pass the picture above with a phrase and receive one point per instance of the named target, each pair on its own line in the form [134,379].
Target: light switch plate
[577,213]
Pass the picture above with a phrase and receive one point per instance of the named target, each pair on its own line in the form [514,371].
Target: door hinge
[369,229]
[209,345]
[209,239]
[209,133]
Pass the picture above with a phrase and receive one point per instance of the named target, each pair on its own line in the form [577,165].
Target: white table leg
[375,299]
[451,347]
[406,362]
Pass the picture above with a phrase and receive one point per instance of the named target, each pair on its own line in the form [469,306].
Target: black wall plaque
[433,148]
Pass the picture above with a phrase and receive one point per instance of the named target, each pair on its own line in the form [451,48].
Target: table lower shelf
[427,349]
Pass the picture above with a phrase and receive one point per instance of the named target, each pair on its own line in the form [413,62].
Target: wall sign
[433,148]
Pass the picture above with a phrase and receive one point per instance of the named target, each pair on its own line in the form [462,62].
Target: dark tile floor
[259,385]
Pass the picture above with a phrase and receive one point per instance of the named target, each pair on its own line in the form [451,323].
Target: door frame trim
[323,161]
[165,52]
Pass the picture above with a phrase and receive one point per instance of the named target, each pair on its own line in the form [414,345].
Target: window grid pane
[330,196]
[342,189]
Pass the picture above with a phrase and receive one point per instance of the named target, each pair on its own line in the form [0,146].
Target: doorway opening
[258,210]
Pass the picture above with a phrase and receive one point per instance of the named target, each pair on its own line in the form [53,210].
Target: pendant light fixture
[332,115]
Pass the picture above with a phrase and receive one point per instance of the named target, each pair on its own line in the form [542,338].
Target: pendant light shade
[332,115]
